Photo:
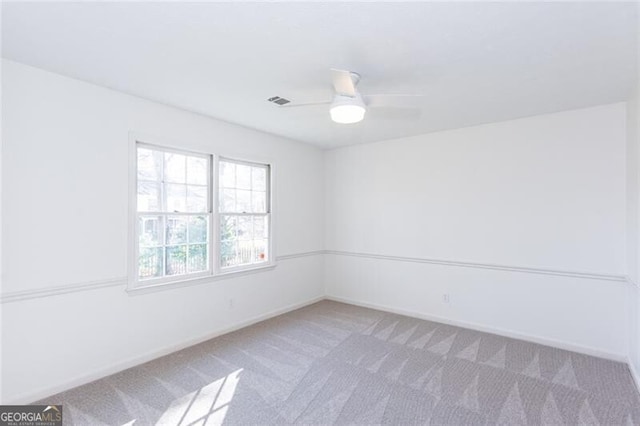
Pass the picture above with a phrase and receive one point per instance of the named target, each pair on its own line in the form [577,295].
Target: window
[244,213]
[173,213]
[175,238]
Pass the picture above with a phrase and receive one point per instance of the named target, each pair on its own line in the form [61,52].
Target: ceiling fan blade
[395,113]
[391,100]
[304,104]
[343,82]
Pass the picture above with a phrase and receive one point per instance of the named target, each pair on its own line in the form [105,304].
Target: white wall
[522,223]
[65,154]
[1,186]
[633,214]
[633,230]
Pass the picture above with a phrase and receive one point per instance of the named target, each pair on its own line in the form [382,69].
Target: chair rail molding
[18,296]
[480,265]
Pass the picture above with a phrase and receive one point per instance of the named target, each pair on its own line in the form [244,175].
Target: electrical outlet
[445,298]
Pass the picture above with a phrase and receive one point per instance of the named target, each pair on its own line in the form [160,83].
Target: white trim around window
[248,247]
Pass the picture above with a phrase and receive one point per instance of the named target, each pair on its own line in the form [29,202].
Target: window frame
[166,215]
[214,272]
[270,261]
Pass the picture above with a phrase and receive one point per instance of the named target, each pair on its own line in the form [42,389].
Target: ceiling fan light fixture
[347,110]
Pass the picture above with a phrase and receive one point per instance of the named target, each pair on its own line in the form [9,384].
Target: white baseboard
[488,329]
[149,356]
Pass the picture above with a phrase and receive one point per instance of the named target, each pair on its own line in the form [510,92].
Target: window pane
[176,262]
[243,188]
[228,228]
[227,200]
[261,250]
[148,197]
[198,258]
[227,174]
[197,170]
[230,250]
[176,198]
[243,201]
[244,254]
[259,179]
[245,228]
[149,164]
[150,231]
[228,254]
[150,263]
[259,202]
[175,168]
[244,240]
[243,176]
[197,199]
[176,230]
[198,229]
[260,228]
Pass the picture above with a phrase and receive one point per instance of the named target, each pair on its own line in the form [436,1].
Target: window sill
[234,270]
[137,289]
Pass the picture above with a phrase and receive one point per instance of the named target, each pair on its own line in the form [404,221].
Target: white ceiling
[475,62]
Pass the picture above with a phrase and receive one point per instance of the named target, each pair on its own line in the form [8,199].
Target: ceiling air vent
[278,100]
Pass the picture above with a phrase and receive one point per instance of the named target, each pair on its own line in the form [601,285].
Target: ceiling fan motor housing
[347,109]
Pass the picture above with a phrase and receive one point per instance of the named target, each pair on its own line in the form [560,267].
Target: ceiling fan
[349,106]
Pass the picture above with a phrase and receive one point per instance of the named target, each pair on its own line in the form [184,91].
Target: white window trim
[215,272]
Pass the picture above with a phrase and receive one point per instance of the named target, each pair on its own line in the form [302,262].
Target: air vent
[278,100]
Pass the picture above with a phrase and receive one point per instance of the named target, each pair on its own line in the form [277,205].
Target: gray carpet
[332,363]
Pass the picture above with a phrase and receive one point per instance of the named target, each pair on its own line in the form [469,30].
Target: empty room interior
[325,213]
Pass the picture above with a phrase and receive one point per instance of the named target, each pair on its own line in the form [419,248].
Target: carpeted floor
[332,363]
